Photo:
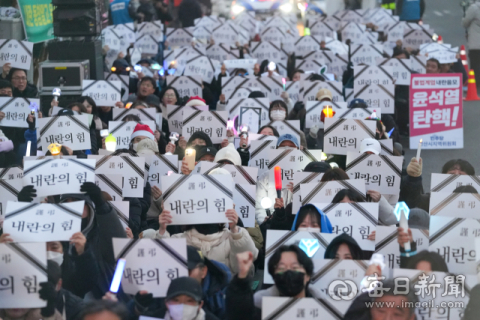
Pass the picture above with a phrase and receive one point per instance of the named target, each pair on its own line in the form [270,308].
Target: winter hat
[184,285]
[230,154]
[288,137]
[195,101]
[220,171]
[65,112]
[147,147]
[203,151]
[370,145]
[142,130]
[200,135]
[152,100]
[358,103]
[317,166]
[324,93]
[418,219]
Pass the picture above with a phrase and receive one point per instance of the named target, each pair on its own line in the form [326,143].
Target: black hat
[184,285]
[203,151]
[317,166]
[65,112]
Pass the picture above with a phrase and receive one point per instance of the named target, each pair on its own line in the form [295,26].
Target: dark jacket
[188,11]
[148,10]
[137,220]
[73,304]
[29,92]
[214,288]
[298,113]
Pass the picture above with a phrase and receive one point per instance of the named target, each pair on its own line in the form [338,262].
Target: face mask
[309,229]
[182,311]
[289,283]
[278,115]
[55,256]
[135,146]
[207,228]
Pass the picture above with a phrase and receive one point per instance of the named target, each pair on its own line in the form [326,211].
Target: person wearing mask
[433,66]
[122,11]
[245,152]
[197,138]
[6,89]
[21,87]
[279,112]
[291,270]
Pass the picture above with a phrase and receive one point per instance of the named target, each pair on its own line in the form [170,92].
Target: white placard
[266,50]
[71,131]
[240,63]
[415,38]
[358,220]
[366,75]
[311,89]
[250,117]
[342,135]
[241,175]
[124,80]
[454,239]
[179,37]
[288,127]
[212,123]
[353,31]
[366,54]
[386,243]
[322,30]
[175,116]
[458,205]
[17,53]
[122,131]
[260,154]
[104,93]
[302,178]
[151,263]
[382,173]
[161,165]
[58,176]
[187,86]
[16,111]
[24,267]
[234,105]
[314,109]
[401,69]
[197,199]
[307,44]
[132,169]
[377,96]
[202,66]
[244,200]
[40,222]
[449,182]
[281,308]
[11,182]
[111,184]
[153,28]
[324,192]
[123,211]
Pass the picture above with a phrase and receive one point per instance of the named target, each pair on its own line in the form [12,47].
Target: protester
[21,87]
[6,88]
[470,22]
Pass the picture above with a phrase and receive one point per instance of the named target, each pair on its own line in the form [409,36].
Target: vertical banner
[436,112]
[37,19]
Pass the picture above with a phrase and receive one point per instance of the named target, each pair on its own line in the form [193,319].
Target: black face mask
[207,228]
[289,283]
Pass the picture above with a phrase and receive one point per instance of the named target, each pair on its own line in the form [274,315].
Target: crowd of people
[226,262]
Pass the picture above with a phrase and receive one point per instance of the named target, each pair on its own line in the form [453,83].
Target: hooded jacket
[196,135]
[332,248]
[325,225]
[99,228]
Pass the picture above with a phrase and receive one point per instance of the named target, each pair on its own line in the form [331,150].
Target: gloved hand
[94,192]
[414,168]
[143,300]
[27,194]
[48,293]
[31,122]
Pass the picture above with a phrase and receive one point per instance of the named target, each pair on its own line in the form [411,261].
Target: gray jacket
[471,22]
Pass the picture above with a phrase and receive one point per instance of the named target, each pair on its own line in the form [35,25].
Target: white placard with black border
[312,87]
[244,200]
[104,93]
[458,205]
[301,178]
[401,69]
[161,165]
[449,182]
[70,131]
[288,127]
[187,86]
[17,53]
[342,135]
[260,154]
[175,116]
[240,174]
[212,123]
[202,66]
[16,111]
[377,96]
[365,75]
[324,192]
[124,80]
[250,117]
[280,308]
[122,131]
[366,54]
[111,184]
[234,105]
[11,182]
[179,37]
[123,211]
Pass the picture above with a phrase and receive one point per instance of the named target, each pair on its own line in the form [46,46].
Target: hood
[218,277]
[325,225]
[230,154]
[331,249]
[200,135]
[91,207]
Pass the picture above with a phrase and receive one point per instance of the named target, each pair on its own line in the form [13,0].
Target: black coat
[73,304]
[29,92]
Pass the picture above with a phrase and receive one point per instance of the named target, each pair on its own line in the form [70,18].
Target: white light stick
[402,212]
[230,125]
[419,150]
[117,276]
[174,136]
[29,143]
[56,93]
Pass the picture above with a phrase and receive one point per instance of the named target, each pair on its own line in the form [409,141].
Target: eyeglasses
[19,78]
[169,95]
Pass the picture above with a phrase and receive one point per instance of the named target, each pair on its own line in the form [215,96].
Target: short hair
[150,79]
[465,189]
[302,258]
[436,261]
[98,306]
[335,174]
[351,194]
[311,211]
[463,165]
[5,84]
[256,94]
[12,71]
[131,117]
[275,132]
[79,105]
[298,70]
[410,294]
[436,61]
[90,101]
[281,104]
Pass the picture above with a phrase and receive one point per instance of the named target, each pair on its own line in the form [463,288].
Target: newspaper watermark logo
[424,286]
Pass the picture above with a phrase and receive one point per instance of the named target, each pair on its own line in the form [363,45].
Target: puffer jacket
[471,22]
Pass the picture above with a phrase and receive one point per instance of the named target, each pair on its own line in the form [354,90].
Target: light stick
[402,213]
[29,143]
[117,276]
[284,83]
[419,150]
[278,181]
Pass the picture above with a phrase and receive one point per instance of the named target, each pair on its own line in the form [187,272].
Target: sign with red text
[436,113]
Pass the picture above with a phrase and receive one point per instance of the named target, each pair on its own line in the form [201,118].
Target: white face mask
[135,146]
[55,256]
[309,229]
[278,115]
[182,311]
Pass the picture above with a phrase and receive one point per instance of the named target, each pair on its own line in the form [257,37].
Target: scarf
[202,241]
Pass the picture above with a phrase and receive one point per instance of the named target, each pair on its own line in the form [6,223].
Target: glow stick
[117,276]
[278,181]
[419,150]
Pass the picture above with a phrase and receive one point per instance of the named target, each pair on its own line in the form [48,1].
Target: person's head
[169,95]
[297,74]
[465,189]
[55,251]
[394,305]
[153,101]
[458,166]
[287,141]
[204,153]
[89,104]
[199,138]
[427,261]
[268,131]
[132,117]
[324,95]
[147,147]
[278,110]
[357,103]
[347,196]
[256,68]
[195,102]
[445,67]
[433,66]
[335,174]
[103,310]
[228,155]
[77,107]
[6,88]
[18,78]
[141,131]
[256,94]
[241,72]
[184,298]
[197,268]
[317,166]
[146,87]
[343,247]
[290,269]
[370,146]
[310,218]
